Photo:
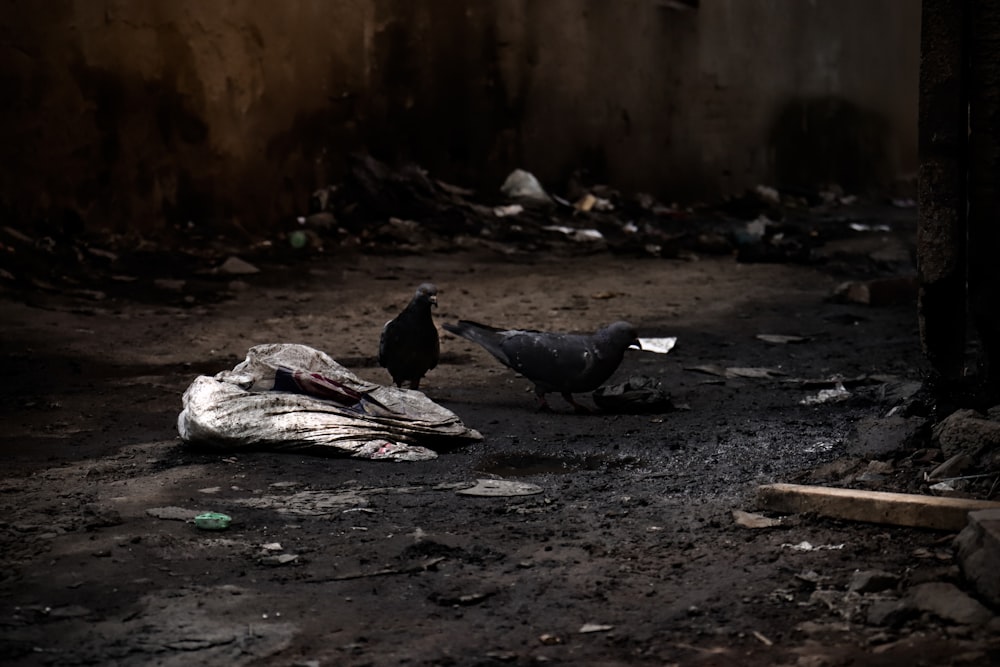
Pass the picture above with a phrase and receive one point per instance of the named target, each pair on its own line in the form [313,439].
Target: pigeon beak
[434,301]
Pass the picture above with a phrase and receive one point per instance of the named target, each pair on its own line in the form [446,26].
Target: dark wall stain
[441,102]
[825,140]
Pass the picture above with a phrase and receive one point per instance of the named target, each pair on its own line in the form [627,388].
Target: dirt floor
[628,556]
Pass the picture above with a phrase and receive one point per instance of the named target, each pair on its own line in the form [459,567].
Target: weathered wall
[137,112]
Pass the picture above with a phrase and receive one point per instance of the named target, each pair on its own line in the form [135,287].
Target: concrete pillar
[984,181]
[941,231]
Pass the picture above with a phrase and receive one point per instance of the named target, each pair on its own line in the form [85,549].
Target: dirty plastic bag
[293,397]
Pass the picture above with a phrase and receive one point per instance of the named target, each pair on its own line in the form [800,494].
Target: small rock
[171,513]
[890,613]
[872,581]
[96,516]
[978,552]
[878,436]
[521,184]
[282,559]
[879,467]
[235,266]
[949,603]
[966,431]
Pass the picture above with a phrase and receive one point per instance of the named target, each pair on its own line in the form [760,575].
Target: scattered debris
[579,235]
[549,639]
[901,509]
[521,184]
[639,394]
[500,488]
[212,521]
[235,266]
[862,227]
[762,638]
[809,546]
[278,559]
[781,339]
[588,628]
[751,520]
[737,372]
[507,211]
[835,395]
[658,345]
[462,599]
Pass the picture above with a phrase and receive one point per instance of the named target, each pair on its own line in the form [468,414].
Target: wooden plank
[899,509]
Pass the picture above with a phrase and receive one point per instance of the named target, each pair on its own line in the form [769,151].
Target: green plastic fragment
[212,521]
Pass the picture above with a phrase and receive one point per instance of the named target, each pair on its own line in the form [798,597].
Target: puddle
[528,464]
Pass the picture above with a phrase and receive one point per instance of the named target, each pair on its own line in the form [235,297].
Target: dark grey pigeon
[567,363]
[409,345]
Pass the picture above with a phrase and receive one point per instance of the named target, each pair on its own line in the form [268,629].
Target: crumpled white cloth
[239,409]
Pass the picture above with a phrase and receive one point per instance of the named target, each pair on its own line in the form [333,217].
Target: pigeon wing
[554,362]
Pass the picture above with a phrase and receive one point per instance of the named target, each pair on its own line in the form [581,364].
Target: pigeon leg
[415,384]
[543,405]
[580,409]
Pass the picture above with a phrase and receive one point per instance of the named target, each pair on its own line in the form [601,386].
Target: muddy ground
[629,556]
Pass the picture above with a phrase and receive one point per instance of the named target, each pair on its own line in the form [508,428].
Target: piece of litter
[942,487]
[658,345]
[587,628]
[521,184]
[500,487]
[576,234]
[807,546]
[282,559]
[751,520]
[271,546]
[819,446]
[835,395]
[763,640]
[507,211]
[860,227]
[212,521]
[781,339]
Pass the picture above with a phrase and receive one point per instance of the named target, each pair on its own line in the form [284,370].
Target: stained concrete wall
[137,113]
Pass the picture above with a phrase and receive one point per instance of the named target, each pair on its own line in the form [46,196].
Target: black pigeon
[567,363]
[409,346]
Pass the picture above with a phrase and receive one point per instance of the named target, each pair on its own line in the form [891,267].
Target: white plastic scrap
[835,395]
[808,546]
[521,184]
[576,234]
[507,211]
[658,345]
